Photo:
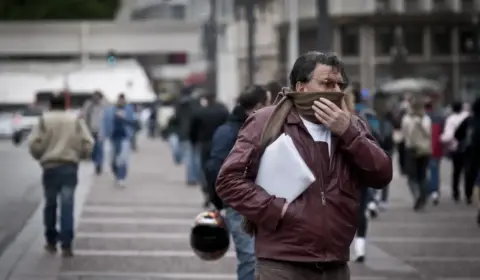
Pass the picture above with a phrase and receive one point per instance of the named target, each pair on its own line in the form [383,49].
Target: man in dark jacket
[205,120]
[308,237]
[251,99]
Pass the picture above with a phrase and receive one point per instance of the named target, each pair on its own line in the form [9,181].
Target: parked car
[6,125]
[23,122]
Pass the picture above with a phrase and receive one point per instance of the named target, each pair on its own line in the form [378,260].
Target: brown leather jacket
[320,224]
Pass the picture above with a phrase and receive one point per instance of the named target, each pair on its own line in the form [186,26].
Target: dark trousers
[365,198]
[472,175]
[458,162]
[417,174]
[402,157]
[59,185]
[275,270]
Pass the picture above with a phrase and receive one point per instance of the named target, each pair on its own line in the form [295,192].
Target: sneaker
[359,249]
[435,197]
[51,248]
[372,210]
[67,252]
[121,184]
[98,170]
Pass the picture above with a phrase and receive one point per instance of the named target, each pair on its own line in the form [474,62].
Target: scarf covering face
[285,102]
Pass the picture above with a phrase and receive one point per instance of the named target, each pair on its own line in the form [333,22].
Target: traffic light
[111,57]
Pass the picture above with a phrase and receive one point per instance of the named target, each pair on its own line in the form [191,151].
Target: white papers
[282,171]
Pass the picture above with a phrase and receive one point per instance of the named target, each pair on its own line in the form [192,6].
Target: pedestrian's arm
[222,142]
[87,141]
[36,142]
[372,165]
[235,182]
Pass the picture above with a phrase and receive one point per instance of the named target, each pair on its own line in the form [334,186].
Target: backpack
[420,139]
[373,124]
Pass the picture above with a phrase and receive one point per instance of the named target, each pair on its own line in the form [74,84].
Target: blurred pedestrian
[253,98]
[309,237]
[119,126]
[59,142]
[184,108]
[417,129]
[205,120]
[468,136]
[456,150]
[438,120]
[92,113]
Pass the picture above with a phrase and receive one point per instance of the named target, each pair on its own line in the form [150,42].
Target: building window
[177,58]
[441,5]
[177,11]
[467,6]
[441,40]
[413,40]
[384,40]
[350,40]
[466,36]
[412,6]
[383,6]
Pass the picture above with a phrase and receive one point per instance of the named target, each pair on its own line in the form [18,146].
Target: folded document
[282,171]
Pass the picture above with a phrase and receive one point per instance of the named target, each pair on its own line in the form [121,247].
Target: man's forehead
[323,71]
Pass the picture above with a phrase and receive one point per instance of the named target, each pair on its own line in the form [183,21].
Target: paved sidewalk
[142,233]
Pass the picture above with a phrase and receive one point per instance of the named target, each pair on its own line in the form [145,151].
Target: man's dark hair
[58,101]
[252,96]
[302,70]
[457,107]
[274,88]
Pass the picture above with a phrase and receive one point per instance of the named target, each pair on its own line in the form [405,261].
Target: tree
[58,9]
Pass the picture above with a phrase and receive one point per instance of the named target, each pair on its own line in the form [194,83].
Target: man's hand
[330,115]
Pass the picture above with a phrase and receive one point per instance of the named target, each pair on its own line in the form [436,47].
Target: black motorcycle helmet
[209,237]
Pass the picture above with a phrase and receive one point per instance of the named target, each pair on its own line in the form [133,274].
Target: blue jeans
[192,155]
[244,246]
[59,182]
[434,175]
[176,148]
[120,156]
[97,153]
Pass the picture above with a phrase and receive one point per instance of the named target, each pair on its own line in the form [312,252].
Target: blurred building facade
[439,36]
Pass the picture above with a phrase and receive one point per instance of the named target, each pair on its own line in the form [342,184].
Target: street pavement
[142,232]
[20,189]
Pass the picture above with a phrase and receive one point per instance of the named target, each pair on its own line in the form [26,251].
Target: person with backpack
[417,128]
[59,142]
[453,137]
[253,98]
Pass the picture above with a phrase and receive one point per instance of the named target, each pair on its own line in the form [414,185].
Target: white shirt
[319,133]
[407,125]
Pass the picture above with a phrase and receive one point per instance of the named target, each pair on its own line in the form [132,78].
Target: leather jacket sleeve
[236,181]
[372,164]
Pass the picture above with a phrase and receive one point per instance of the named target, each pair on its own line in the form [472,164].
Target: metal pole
[324,27]
[292,9]
[212,48]
[251,26]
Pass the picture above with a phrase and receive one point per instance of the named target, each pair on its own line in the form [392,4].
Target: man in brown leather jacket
[310,237]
